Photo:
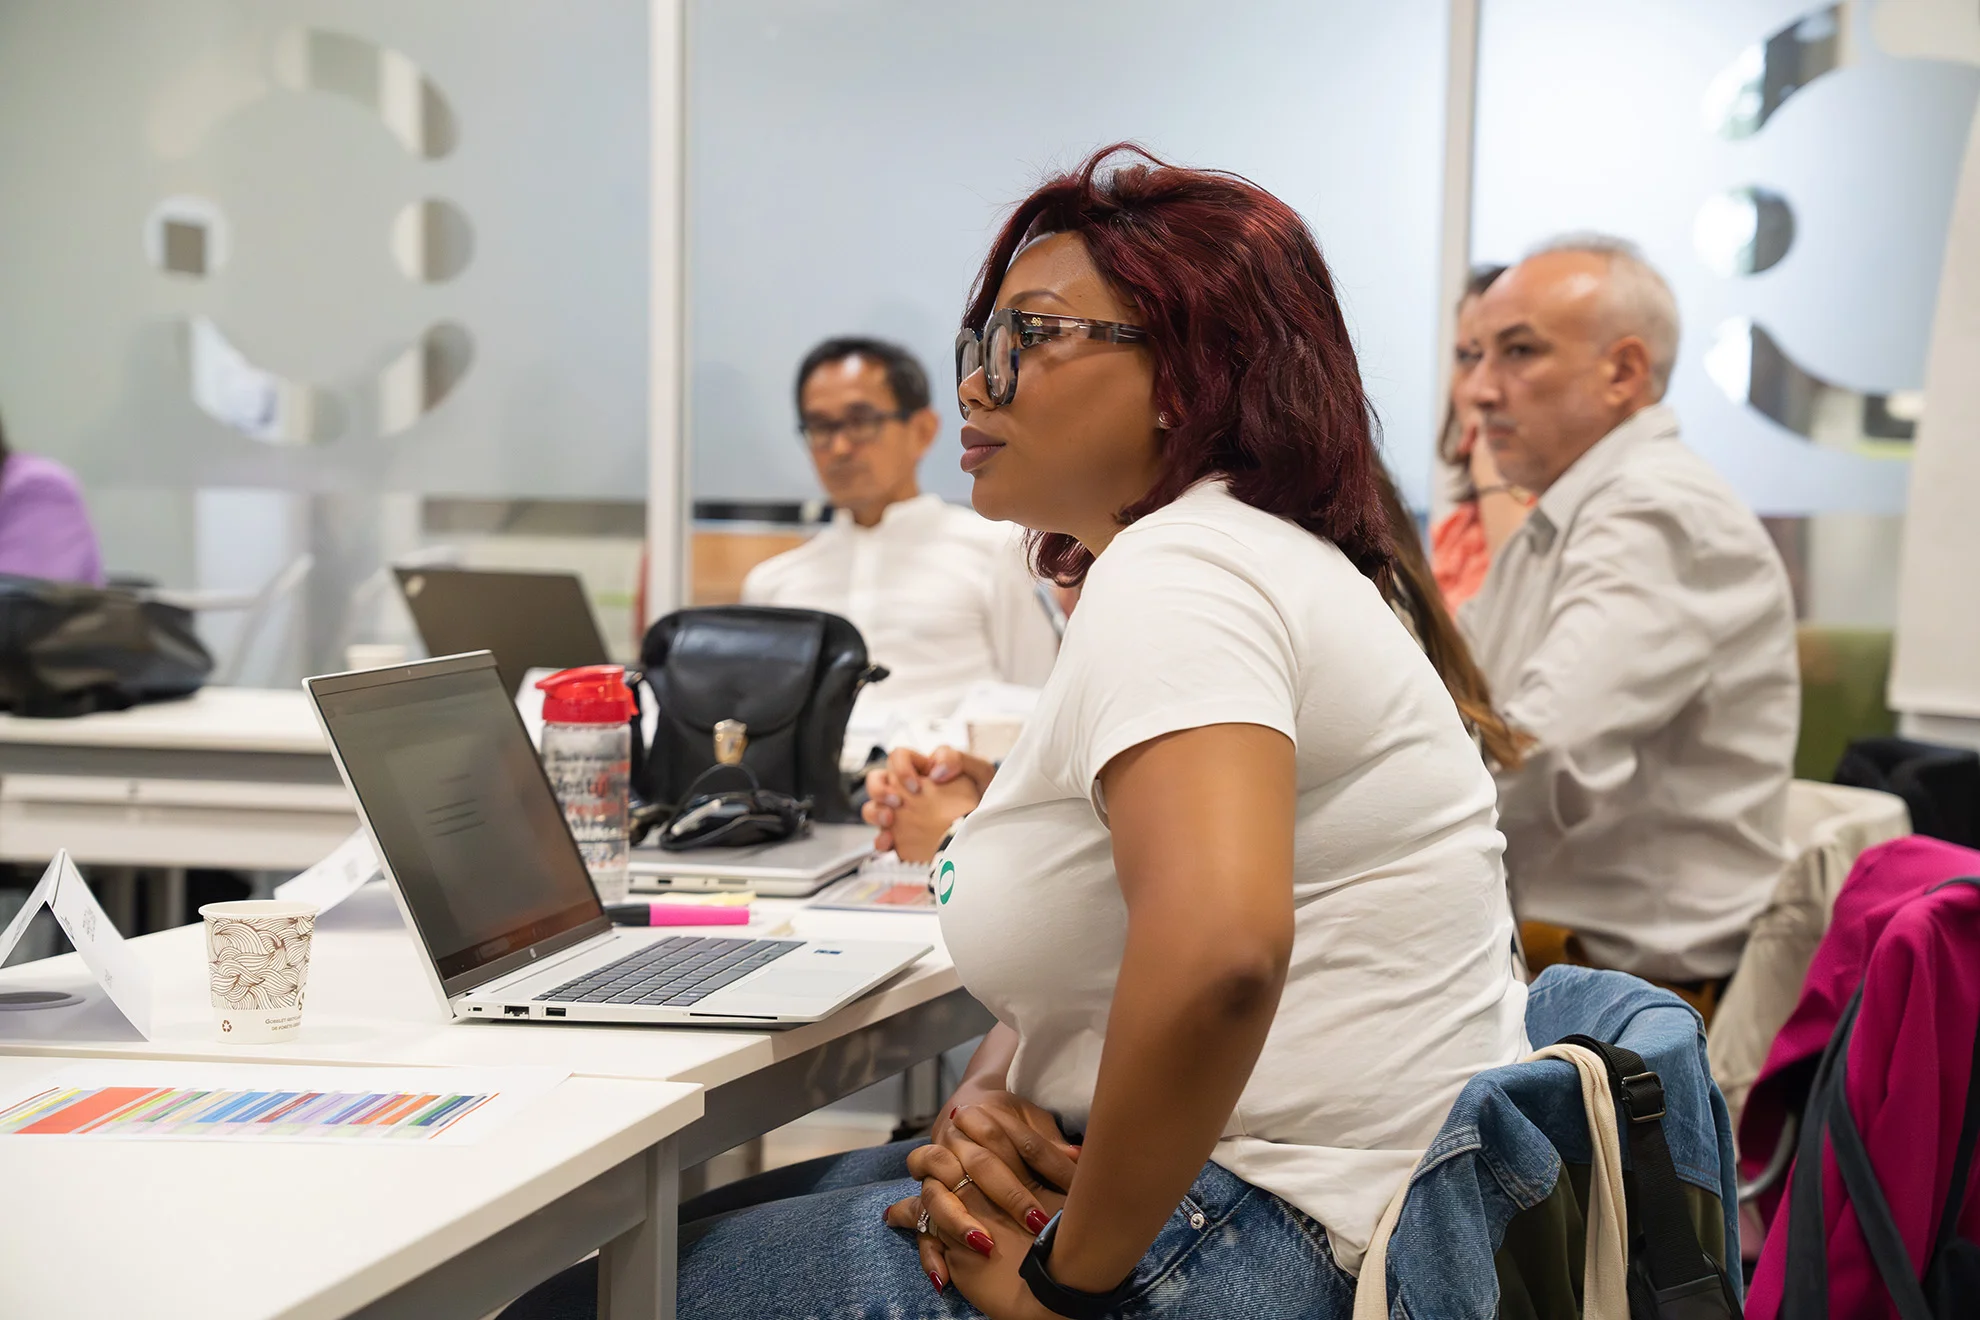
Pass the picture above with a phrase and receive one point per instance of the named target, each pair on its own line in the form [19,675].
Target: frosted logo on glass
[1748,91]
[1743,231]
[430,241]
[1751,368]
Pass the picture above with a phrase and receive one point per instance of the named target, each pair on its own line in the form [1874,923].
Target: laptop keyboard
[677,972]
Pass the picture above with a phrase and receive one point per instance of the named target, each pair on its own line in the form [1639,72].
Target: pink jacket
[1918,959]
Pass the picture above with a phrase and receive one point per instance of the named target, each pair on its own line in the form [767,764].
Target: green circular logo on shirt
[945,881]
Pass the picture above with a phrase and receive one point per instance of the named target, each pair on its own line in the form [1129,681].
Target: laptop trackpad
[792,993]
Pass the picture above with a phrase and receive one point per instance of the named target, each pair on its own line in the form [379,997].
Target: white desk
[368,1002]
[230,777]
[244,735]
[250,1232]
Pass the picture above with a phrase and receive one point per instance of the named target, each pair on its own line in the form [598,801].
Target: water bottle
[587,753]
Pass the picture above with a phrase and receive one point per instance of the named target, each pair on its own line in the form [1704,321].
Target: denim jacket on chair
[1501,1149]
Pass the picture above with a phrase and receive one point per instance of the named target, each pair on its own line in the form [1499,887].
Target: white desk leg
[636,1269]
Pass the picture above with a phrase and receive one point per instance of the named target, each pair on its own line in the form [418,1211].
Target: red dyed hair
[1252,358]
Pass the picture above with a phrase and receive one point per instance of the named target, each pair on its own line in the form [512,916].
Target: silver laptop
[794,868]
[493,888]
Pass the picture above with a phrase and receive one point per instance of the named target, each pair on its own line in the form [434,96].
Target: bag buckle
[731,740]
[1643,1097]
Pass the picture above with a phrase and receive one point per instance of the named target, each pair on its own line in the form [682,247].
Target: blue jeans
[807,1243]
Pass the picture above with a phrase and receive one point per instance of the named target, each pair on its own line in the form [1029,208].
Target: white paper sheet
[348,868]
[161,1100]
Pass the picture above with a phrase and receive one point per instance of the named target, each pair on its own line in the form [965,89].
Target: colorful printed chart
[164,1102]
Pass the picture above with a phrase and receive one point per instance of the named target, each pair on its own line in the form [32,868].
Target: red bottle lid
[595,694]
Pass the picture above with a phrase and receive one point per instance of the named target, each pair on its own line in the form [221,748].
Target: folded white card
[37,899]
[63,891]
[350,865]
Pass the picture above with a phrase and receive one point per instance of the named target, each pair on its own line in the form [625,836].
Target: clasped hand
[1019,1167]
[916,797]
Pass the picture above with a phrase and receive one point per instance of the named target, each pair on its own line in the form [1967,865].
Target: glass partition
[848,161]
[279,275]
[1791,170]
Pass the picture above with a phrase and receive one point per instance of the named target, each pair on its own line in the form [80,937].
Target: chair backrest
[267,601]
[1940,785]
[1474,1227]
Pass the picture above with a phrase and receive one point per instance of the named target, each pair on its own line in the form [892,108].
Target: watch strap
[1055,1296]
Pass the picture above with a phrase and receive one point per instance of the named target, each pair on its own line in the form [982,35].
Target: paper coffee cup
[257,961]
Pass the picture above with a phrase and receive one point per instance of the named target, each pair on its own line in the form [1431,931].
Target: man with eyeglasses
[943,598]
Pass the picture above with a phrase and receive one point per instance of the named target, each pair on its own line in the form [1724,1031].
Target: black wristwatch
[1055,1296]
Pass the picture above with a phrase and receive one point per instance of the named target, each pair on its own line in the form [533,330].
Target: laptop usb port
[554,1012]
[516,1010]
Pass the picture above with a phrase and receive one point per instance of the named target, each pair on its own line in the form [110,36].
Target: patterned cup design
[258,962]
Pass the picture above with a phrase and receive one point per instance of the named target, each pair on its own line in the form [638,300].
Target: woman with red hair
[1235,897]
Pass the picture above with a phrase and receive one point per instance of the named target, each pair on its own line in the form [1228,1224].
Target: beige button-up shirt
[942,596]
[1641,628]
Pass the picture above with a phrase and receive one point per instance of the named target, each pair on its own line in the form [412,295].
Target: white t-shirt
[942,597]
[1401,984]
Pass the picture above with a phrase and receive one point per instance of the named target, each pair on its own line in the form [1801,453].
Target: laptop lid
[529,620]
[461,813]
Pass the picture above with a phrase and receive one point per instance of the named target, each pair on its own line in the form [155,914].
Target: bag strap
[1605,1261]
[1683,1279]
[1873,1212]
[1805,1284]
[1969,1132]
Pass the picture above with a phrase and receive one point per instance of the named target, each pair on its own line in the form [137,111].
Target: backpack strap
[1866,1196]
[1684,1283]
[1805,1283]
[1969,1133]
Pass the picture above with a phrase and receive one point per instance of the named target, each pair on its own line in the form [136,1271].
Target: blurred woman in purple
[44,526]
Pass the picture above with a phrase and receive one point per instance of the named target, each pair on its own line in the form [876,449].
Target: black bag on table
[68,649]
[786,677]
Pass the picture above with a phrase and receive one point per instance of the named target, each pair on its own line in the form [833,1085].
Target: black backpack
[1950,1283]
[788,677]
[68,649]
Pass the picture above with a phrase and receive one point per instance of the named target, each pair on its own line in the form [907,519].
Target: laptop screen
[461,810]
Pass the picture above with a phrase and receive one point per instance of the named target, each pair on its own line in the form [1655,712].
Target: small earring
[1162,421]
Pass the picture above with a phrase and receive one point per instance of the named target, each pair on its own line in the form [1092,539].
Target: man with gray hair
[1638,627]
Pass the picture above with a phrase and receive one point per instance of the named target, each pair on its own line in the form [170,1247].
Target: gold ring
[957,1189]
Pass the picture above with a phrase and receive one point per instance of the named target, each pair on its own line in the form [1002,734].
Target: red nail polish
[979,1242]
[1035,1220]
[935,1279]
[953,1111]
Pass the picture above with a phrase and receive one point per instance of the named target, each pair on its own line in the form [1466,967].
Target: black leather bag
[788,677]
[67,649]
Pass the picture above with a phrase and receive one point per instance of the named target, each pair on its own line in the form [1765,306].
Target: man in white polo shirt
[1639,627]
[943,598]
